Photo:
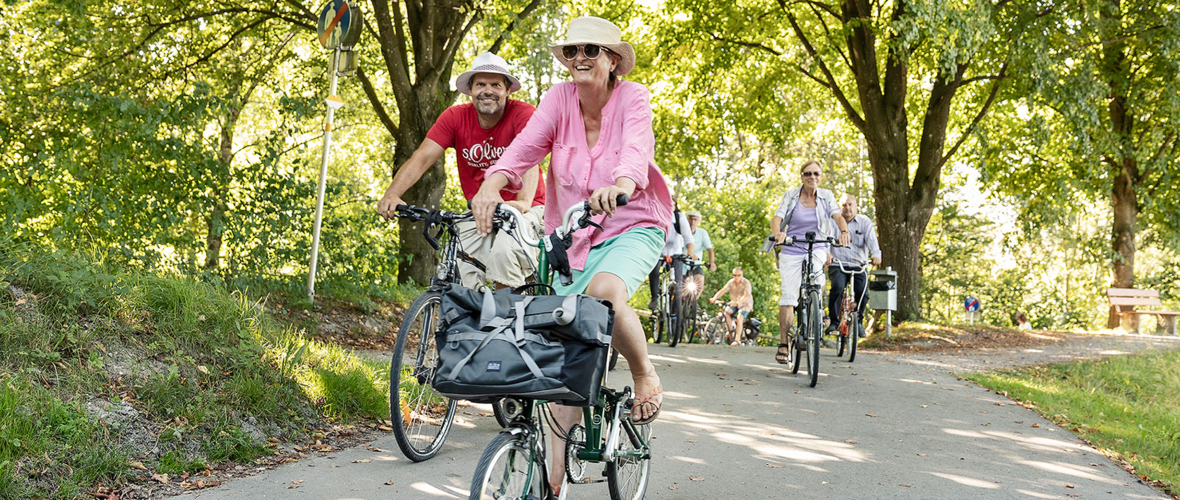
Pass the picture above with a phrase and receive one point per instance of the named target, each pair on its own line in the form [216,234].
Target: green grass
[1126,406]
[205,370]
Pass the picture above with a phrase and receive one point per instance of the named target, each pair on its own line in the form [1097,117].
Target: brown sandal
[783,358]
[649,400]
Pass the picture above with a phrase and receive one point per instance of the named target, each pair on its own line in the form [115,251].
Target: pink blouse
[626,148]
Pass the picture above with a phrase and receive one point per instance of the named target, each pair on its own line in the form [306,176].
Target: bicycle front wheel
[690,319]
[815,332]
[675,315]
[627,475]
[854,329]
[421,416]
[714,333]
[507,471]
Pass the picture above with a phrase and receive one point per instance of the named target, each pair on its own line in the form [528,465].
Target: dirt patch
[344,324]
[928,337]
[321,443]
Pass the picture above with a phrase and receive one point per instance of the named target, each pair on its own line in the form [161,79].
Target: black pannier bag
[497,344]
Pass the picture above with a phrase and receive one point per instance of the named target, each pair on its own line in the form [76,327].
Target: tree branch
[991,98]
[751,45]
[520,16]
[855,117]
[375,100]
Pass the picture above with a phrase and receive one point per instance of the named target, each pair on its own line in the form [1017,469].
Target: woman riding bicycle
[807,208]
[599,130]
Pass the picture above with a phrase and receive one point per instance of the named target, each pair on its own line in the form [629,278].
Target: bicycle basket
[502,344]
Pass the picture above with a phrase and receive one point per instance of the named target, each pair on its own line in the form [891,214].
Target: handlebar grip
[621,200]
[399,208]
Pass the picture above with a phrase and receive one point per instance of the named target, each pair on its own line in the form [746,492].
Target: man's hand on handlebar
[386,207]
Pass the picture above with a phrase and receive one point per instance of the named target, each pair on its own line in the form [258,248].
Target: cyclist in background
[741,301]
[480,131]
[861,248]
[807,208]
[679,239]
[704,245]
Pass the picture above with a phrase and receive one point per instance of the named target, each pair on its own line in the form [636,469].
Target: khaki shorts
[508,261]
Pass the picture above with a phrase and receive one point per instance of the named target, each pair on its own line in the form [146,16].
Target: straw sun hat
[486,63]
[598,31]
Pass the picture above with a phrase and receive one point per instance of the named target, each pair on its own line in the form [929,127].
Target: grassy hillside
[111,377]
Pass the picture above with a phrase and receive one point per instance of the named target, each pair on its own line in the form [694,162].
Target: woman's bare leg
[628,337]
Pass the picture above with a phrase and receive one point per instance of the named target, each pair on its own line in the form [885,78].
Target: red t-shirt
[477,148]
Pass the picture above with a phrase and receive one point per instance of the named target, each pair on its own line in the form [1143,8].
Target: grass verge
[1128,407]
[111,377]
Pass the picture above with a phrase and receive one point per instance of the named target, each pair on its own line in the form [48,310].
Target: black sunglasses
[812,174]
[590,50]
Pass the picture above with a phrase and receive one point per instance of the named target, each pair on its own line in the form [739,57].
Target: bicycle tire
[795,348]
[627,477]
[815,332]
[507,469]
[713,332]
[690,320]
[675,321]
[853,335]
[841,340]
[614,359]
[420,424]
[500,413]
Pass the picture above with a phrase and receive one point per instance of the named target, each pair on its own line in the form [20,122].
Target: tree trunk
[1125,169]
[1126,212]
[215,222]
[421,259]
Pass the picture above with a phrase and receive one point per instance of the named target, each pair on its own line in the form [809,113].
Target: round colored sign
[337,23]
[971,304]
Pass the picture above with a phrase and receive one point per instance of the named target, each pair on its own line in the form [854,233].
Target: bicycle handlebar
[576,217]
[863,267]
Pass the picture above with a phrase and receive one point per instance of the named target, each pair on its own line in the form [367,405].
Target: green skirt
[630,256]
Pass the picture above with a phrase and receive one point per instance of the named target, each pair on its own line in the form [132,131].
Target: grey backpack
[498,344]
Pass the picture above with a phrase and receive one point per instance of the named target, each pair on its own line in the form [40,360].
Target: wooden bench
[1124,301]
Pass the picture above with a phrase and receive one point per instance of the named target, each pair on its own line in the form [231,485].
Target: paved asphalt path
[736,424]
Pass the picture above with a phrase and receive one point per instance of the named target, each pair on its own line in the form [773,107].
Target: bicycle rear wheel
[507,470]
[815,333]
[627,476]
[421,416]
[854,329]
[841,338]
[614,359]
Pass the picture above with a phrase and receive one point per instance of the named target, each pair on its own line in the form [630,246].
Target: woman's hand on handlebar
[844,239]
[779,237]
[483,206]
[604,199]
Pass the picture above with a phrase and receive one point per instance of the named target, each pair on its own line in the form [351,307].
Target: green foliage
[1119,405]
[205,366]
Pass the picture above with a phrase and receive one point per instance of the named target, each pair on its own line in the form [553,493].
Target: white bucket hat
[486,63]
[598,31]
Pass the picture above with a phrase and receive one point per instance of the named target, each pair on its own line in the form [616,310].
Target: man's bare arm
[426,155]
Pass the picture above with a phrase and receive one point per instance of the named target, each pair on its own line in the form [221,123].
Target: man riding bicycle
[741,301]
[862,245]
[678,239]
[479,132]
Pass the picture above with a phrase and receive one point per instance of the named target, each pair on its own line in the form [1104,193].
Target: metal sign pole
[319,202]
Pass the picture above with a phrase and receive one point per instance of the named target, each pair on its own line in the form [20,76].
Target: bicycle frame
[609,400]
[850,288]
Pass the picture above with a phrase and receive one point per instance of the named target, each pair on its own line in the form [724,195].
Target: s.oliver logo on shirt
[482,155]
